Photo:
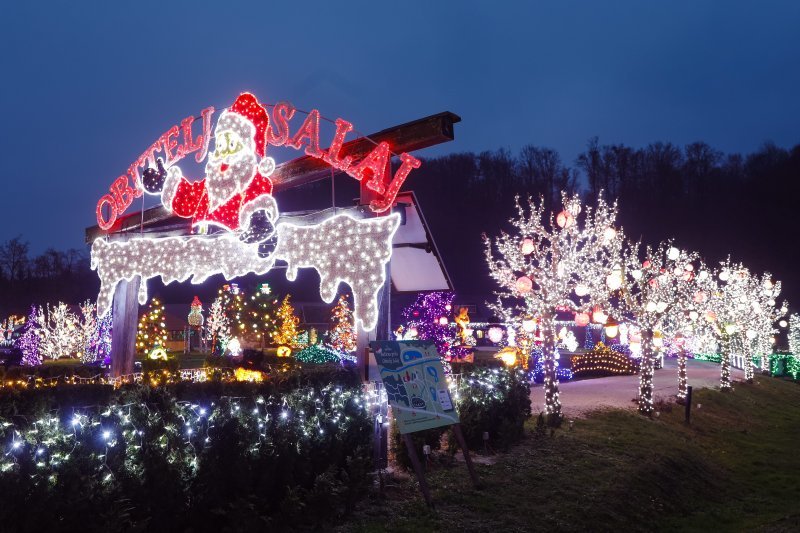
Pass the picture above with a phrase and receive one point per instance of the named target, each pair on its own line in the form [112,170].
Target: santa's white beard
[222,186]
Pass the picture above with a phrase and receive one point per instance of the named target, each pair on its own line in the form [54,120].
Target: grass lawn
[736,468]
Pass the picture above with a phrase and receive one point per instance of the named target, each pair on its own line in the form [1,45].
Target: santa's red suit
[247,121]
[190,200]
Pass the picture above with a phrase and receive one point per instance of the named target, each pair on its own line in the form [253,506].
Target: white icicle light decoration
[574,254]
[342,249]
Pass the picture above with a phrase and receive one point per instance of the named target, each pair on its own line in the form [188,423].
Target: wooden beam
[123,331]
[415,135]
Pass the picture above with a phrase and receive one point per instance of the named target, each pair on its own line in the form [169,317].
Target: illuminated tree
[427,319]
[98,344]
[87,329]
[656,292]
[758,321]
[726,305]
[60,334]
[261,313]
[794,334]
[152,328]
[218,327]
[285,331]
[562,263]
[29,341]
[233,305]
[342,335]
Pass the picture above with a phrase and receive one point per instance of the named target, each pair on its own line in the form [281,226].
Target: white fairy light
[342,249]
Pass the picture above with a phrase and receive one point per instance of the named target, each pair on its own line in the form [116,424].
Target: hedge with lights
[602,361]
[189,456]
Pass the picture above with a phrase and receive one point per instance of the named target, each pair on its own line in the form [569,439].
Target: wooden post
[688,407]
[412,454]
[123,334]
[463,443]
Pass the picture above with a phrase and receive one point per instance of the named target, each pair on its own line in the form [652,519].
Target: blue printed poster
[415,384]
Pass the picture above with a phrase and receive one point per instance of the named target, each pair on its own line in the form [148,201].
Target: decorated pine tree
[261,313]
[152,328]
[342,335]
[218,327]
[28,342]
[233,303]
[285,331]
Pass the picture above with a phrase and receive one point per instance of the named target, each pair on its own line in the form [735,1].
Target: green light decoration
[318,354]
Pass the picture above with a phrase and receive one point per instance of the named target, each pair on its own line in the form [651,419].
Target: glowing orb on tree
[582,319]
[565,219]
[750,334]
[636,274]
[614,280]
[598,316]
[609,234]
[528,246]
[612,329]
[699,297]
[783,323]
[693,315]
[711,316]
[443,321]
[702,275]
[724,275]
[673,253]
[524,285]
[581,289]
[730,329]
[234,347]
[495,334]
[529,325]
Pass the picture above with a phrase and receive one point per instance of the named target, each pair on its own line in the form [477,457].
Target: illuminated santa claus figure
[236,194]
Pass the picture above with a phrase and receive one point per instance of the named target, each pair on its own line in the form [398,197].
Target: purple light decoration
[98,346]
[424,315]
[28,342]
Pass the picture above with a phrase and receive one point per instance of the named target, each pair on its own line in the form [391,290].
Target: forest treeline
[715,203]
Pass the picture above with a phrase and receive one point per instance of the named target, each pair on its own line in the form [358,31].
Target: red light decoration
[524,285]
[273,130]
[565,219]
[581,319]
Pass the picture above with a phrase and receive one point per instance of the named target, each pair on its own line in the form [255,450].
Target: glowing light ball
[598,316]
[528,246]
[565,219]
[783,323]
[699,297]
[653,282]
[443,321]
[750,334]
[658,339]
[636,274]
[711,316]
[448,307]
[612,330]
[650,307]
[702,275]
[529,325]
[661,307]
[524,285]
[284,351]
[689,267]
[730,329]
[673,253]
[157,353]
[693,315]
[234,347]
[581,289]
[582,319]
[609,234]
[495,334]
[724,275]
[614,281]
[646,264]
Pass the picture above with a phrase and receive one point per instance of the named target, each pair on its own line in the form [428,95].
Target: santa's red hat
[248,106]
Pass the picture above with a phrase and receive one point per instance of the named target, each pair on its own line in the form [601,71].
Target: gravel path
[581,397]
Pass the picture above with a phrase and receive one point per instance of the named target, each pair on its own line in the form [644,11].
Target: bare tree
[14,258]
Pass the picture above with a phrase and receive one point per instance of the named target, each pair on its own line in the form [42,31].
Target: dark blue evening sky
[87,86]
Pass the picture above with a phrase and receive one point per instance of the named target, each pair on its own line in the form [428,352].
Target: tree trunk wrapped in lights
[567,262]
[682,381]
[657,293]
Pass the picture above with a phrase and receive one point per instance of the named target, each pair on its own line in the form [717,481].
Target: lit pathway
[580,397]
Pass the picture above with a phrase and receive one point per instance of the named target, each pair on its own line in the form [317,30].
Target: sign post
[418,392]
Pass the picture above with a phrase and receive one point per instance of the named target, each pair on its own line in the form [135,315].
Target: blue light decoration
[589,342]
[537,374]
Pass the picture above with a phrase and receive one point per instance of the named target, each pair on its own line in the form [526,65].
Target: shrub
[187,456]
[493,400]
